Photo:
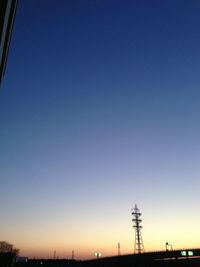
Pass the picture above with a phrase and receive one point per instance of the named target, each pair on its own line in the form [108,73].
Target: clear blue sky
[99,110]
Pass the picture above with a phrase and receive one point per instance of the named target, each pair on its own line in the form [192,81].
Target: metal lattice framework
[139,246]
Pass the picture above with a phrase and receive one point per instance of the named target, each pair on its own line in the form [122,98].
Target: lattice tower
[138,246]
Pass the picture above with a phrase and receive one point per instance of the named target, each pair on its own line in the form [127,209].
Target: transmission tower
[139,246]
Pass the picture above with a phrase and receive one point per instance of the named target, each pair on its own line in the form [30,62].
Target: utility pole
[138,246]
[118,245]
[72,254]
[54,254]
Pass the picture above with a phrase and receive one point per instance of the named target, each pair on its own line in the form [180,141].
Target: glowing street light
[168,245]
[97,254]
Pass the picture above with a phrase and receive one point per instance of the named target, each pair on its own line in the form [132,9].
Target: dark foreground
[178,258]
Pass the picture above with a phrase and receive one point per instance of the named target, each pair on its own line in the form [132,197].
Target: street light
[97,254]
[168,245]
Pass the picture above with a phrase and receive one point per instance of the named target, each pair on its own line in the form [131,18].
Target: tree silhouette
[8,254]
[6,247]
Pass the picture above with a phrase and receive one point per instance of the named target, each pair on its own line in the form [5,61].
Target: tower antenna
[138,246]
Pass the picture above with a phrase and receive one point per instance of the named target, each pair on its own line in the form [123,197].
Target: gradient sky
[99,110]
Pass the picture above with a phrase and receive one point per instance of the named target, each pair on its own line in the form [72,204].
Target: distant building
[7,15]
[22,259]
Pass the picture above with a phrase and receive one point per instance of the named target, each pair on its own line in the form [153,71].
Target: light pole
[97,254]
[167,244]
[118,246]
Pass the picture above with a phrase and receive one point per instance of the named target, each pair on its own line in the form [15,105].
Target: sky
[99,110]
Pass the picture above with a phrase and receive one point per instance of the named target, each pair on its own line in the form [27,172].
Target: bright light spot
[97,254]
[183,253]
[190,253]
